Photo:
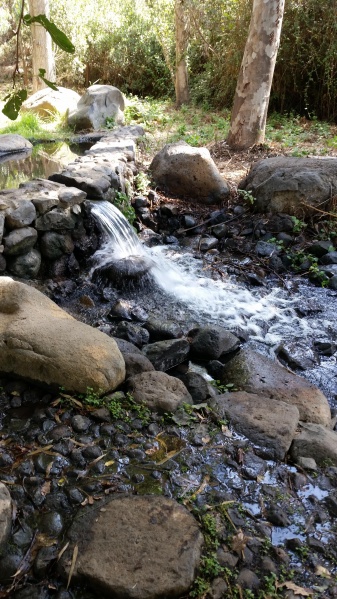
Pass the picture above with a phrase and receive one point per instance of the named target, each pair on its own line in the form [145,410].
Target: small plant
[91,398]
[247,196]
[122,202]
[110,122]
[142,182]
[223,388]
[299,225]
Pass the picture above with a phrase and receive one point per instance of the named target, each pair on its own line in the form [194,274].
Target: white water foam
[268,316]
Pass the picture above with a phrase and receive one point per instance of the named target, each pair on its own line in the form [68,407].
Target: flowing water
[269,316]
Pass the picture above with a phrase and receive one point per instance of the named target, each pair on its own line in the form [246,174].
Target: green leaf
[53,86]
[13,105]
[60,38]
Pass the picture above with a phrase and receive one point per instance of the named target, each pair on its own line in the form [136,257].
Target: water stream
[269,316]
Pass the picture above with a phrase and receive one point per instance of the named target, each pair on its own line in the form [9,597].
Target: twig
[318,210]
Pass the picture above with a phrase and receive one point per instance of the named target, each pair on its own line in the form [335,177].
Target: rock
[168,353]
[209,343]
[69,196]
[131,269]
[98,103]
[159,391]
[320,248]
[265,421]
[140,547]
[331,502]
[136,364]
[20,241]
[297,354]
[265,249]
[255,373]
[53,245]
[132,332]
[186,171]
[253,466]
[307,463]
[198,387]
[329,258]
[247,579]
[11,143]
[92,178]
[5,515]
[26,266]
[55,220]
[48,101]
[21,216]
[125,347]
[163,329]
[41,342]
[208,243]
[315,441]
[292,185]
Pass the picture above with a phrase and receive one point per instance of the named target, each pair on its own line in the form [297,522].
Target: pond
[44,160]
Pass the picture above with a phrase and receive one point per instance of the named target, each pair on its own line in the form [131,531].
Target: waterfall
[268,316]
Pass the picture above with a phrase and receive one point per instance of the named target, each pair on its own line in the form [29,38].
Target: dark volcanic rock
[166,354]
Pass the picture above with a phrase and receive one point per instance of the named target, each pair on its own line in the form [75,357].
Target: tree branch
[17,34]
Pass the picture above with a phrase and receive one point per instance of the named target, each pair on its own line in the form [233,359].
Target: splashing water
[269,317]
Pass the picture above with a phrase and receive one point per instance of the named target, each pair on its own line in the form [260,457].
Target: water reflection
[44,160]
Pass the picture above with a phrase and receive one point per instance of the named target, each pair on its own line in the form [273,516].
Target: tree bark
[249,113]
[42,53]
[181,38]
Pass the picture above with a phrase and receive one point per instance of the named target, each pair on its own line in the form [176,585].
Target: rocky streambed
[173,485]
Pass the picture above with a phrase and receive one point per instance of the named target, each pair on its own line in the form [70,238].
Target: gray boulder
[315,441]
[97,104]
[41,342]
[20,241]
[11,143]
[255,373]
[48,101]
[137,547]
[266,422]
[168,353]
[186,171]
[21,216]
[159,391]
[55,220]
[54,245]
[286,184]
[25,266]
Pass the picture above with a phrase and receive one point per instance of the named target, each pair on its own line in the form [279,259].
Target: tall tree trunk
[42,54]
[249,113]
[181,36]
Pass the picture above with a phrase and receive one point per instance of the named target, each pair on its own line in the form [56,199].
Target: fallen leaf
[239,542]
[291,586]
[73,563]
[45,489]
[225,430]
[169,456]
[206,439]
[202,486]
[62,551]
[109,463]
[321,571]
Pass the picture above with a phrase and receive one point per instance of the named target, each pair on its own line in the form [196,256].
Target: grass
[31,126]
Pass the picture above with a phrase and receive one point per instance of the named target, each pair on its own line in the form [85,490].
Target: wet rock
[163,329]
[212,342]
[5,515]
[30,321]
[20,241]
[253,466]
[167,354]
[80,423]
[12,143]
[320,248]
[8,566]
[297,354]
[26,266]
[265,421]
[198,387]
[156,545]
[220,230]
[307,463]
[208,243]
[277,516]
[257,374]
[331,502]
[56,220]
[329,258]
[159,391]
[119,272]
[134,333]
[315,441]
[184,170]
[136,364]
[51,524]
[69,196]
[53,245]
[265,249]
[43,561]
[121,309]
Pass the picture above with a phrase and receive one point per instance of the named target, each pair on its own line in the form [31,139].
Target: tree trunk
[181,36]
[249,113]
[42,54]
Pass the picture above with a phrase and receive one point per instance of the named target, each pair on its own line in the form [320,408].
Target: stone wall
[45,226]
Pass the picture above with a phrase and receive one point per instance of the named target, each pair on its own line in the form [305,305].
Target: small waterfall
[268,316]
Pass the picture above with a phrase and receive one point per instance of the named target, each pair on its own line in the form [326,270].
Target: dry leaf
[84,502]
[45,489]
[206,439]
[239,542]
[110,463]
[321,571]
[90,500]
[40,450]
[170,455]
[202,486]
[73,563]
[291,586]
[225,430]
[240,456]
[62,551]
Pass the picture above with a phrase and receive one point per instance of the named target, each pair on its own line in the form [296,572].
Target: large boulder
[186,171]
[292,185]
[12,143]
[266,422]
[48,101]
[315,441]
[137,547]
[159,391]
[252,372]
[42,343]
[97,104]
